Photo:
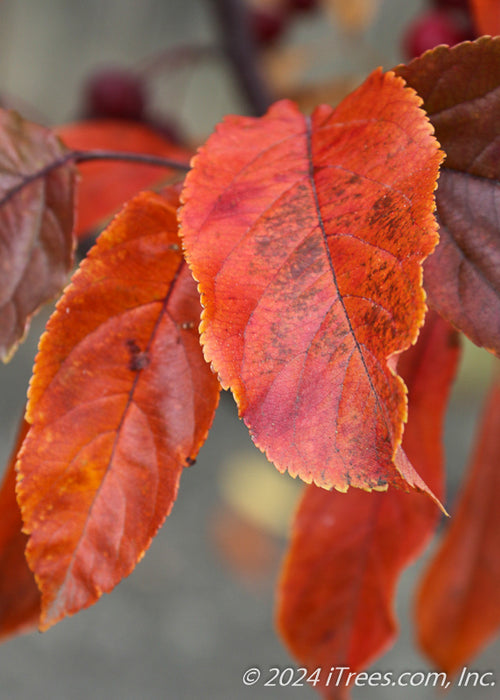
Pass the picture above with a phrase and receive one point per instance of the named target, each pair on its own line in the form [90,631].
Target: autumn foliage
[295,265]
[137,423]
[311,334]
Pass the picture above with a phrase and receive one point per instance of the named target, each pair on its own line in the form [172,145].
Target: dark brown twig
[241,49]
[85,156]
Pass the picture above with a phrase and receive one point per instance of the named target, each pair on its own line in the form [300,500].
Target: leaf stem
[144,158]
[85,156]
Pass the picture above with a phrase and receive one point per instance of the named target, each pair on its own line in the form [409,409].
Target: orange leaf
[336,595]
[36,222]
[308,250]
[120,401]
[458,605]
[105,185]
[19,595]
[486,15]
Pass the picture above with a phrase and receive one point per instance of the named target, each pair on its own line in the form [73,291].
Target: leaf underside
[36,224]
[460,87]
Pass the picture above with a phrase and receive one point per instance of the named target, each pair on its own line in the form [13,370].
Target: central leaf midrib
[332,270]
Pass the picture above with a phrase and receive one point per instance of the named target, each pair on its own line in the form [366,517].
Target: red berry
[431,29]
[452,4]
[302,5]
[115,94]
[267,25]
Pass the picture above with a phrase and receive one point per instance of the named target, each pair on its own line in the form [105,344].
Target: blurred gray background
[198,610]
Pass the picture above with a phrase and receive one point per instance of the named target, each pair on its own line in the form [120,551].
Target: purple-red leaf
[120,402]
[461,92]
[307,238]
[36,223]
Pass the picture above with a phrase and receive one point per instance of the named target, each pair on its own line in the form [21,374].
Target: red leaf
[461,92]
[486,15]
[120,401]
[336,595]
[458,605]
[105,185]
[294,234]
[36,222]
[19,595]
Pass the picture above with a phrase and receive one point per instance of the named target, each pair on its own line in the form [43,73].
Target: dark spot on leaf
[132,346]
[138,359]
